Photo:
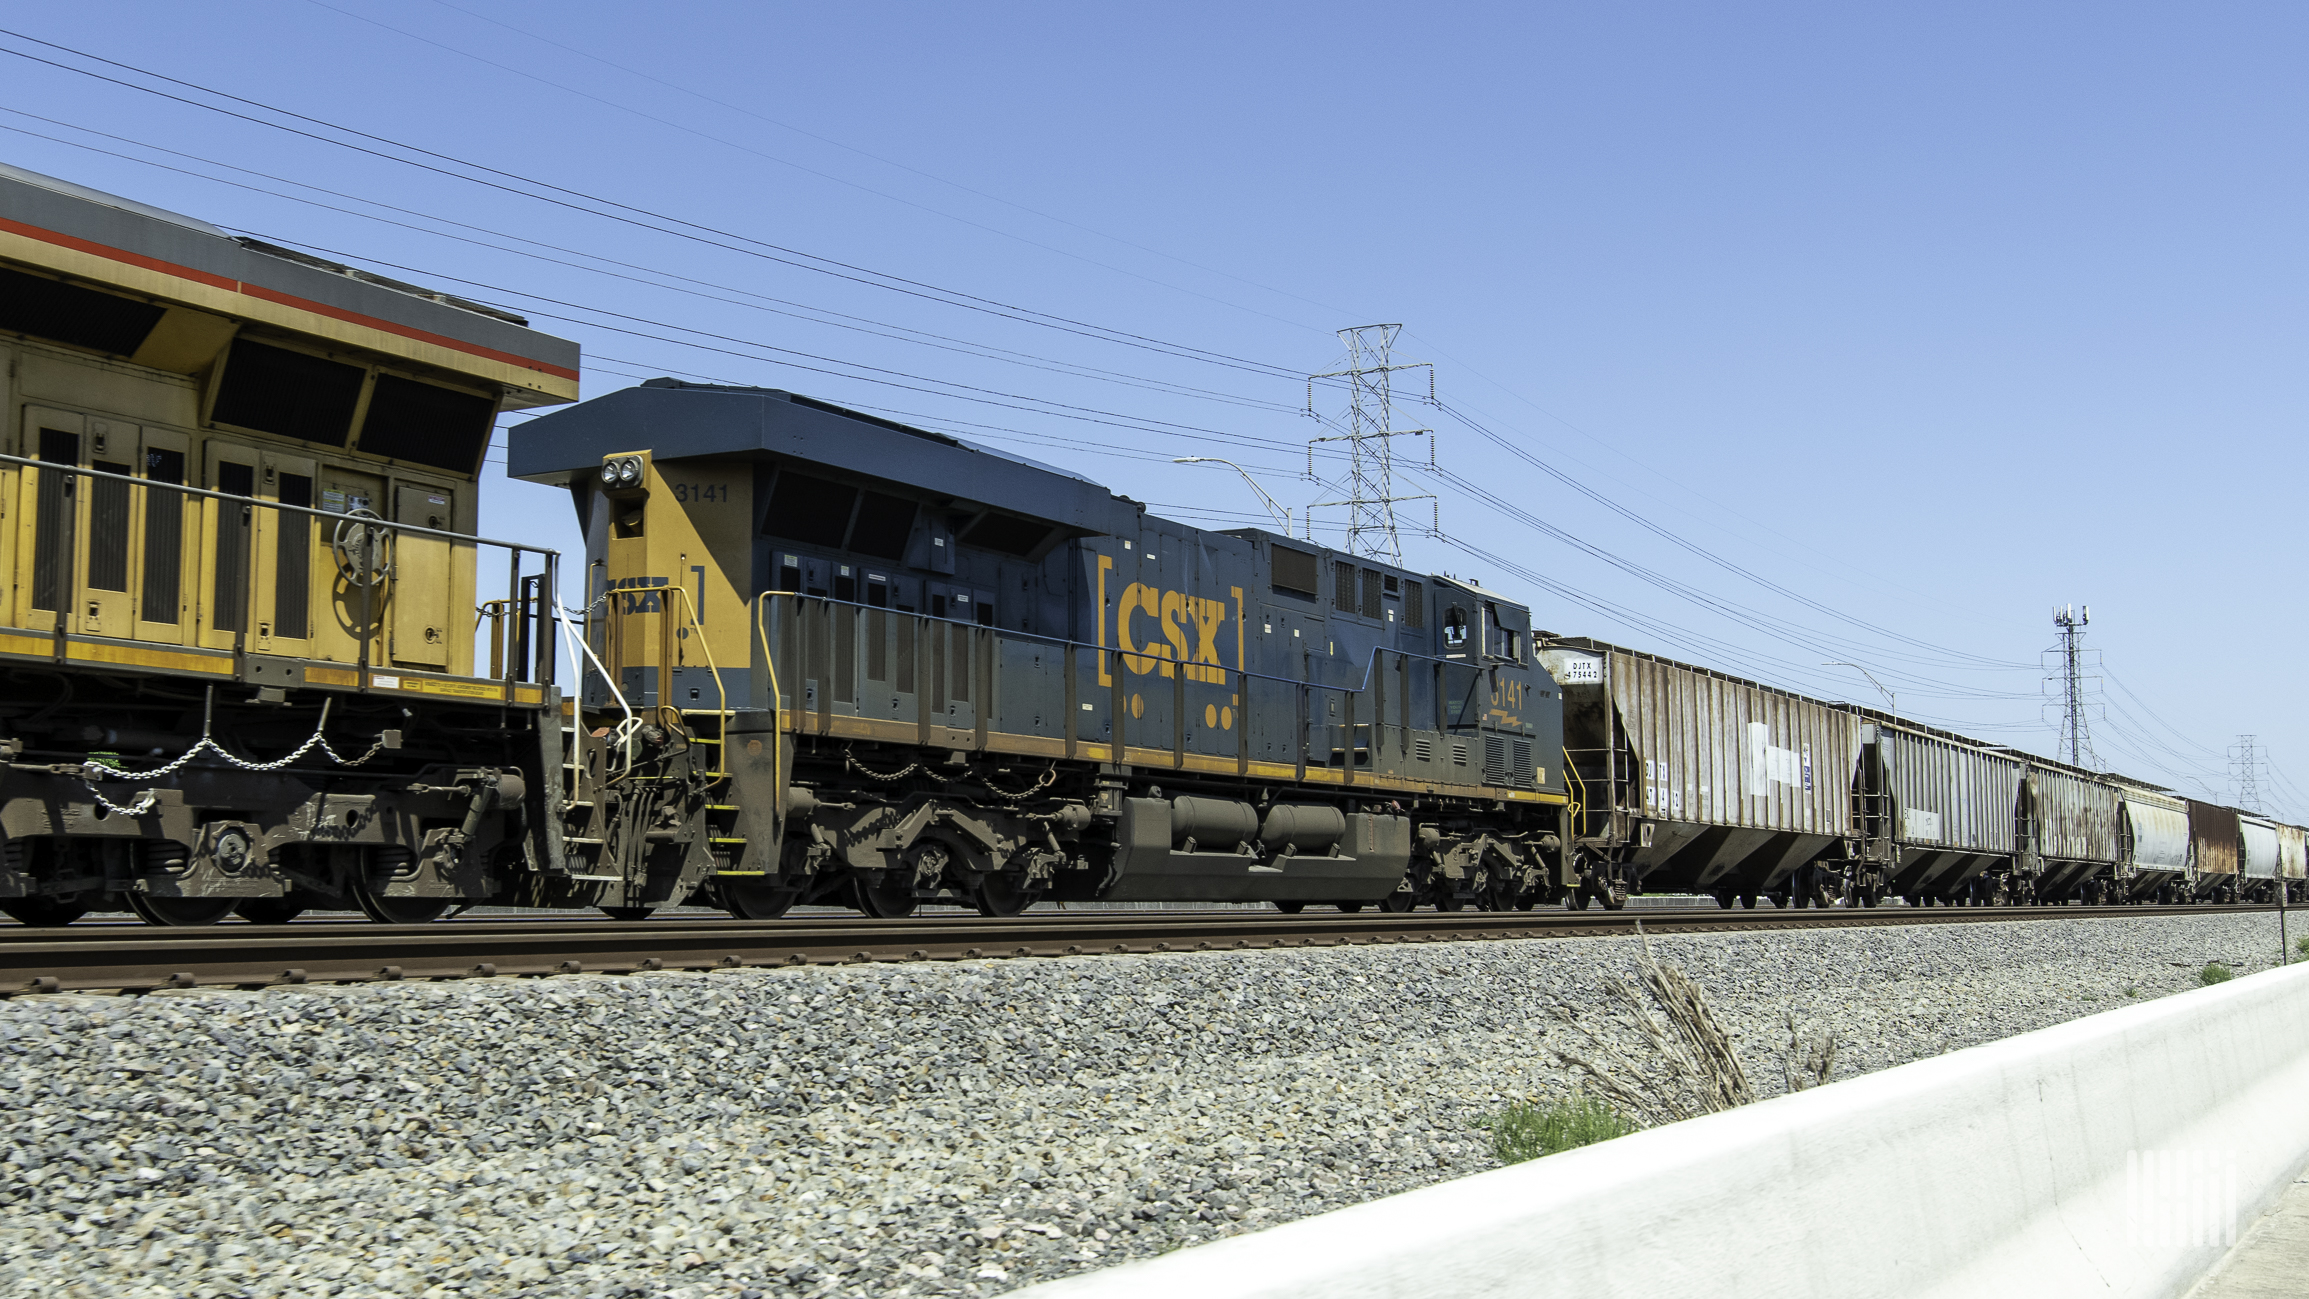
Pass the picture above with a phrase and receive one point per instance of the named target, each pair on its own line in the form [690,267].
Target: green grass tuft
[1529,1130]
[2215,972]
[2301,945]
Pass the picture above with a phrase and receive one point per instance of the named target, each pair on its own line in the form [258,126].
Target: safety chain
[849,760]
[209,744]
[1049,776]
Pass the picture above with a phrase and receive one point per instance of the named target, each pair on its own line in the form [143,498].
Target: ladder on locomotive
[704,728]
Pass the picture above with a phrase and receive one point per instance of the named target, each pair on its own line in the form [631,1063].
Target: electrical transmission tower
[2245,761]
[1370,435]
[2076,737]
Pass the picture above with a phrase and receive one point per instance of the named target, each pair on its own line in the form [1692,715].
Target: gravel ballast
[928,1128]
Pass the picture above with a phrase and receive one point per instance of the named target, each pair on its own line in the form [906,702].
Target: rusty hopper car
[948,674]
[2216,851]
[2070,834]
[1689,780]
[239,639]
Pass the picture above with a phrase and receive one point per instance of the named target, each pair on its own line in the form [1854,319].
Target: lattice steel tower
[2076,737]
[1370,435]
[2245,760]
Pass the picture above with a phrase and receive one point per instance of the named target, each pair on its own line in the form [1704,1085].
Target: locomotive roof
[677,420]
[89,235]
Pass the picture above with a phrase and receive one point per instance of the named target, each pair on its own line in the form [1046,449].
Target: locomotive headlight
[629,471]
[609,473]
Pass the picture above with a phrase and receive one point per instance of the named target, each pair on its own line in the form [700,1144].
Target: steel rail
[116,959]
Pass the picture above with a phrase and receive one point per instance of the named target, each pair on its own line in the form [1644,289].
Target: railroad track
[140,958]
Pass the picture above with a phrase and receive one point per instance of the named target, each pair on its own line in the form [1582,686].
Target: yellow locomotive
[254,654]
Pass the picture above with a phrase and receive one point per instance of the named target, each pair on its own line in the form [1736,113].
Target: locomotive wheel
[399,911]
[1399,901]
[1349,907]
[1007,895]
[749,901]
[888,898]
[1576,900]
[180,912]
[43,911]
[269,911]
[630,915]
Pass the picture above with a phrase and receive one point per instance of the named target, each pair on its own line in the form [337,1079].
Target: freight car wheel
[1349,907]
[181,912]
[1450,902]
[630,915]
[44,911]
[1747,902]
[1400,900]
[1576,900]
[1290,908]
[887,898]
[269,911]
[1725,898]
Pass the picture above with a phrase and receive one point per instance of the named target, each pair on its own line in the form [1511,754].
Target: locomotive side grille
[1343,587]
[1414,604]
[52,547]
[1459,753]
[292,590]
[1522,772]
[1423,749]
[1494,760]
[232,546]
[1372,608]
[163,536]
[108,529]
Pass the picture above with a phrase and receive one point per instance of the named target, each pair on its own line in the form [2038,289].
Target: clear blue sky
[1897,328]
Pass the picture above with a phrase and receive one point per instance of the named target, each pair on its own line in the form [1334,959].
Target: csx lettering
[1177,615]
[638,600]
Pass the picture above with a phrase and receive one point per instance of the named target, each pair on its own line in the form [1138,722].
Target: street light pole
[1269,501]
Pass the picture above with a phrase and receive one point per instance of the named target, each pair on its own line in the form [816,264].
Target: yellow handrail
[1579,799]
[665,672]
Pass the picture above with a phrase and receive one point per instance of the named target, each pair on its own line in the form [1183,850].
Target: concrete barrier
[2115,1155]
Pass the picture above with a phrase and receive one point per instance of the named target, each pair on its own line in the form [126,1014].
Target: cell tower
[2245,761]
[1370,435]
[2076,738]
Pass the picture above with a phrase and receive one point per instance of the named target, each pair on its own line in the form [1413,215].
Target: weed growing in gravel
[2133,990]
[2301,945]
[2215,972]
[1529,1130]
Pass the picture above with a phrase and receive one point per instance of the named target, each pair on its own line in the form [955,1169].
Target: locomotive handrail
[1369,670]
[1301,688]
[542,647]
[132,480]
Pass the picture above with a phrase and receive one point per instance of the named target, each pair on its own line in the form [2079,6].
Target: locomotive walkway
[140,958]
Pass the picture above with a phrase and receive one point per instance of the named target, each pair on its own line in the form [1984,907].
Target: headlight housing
[609,473]
[629,471]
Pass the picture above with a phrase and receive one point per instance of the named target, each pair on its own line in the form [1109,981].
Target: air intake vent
[1423,749]
[1523,772]
[1494,760]
[1459,753]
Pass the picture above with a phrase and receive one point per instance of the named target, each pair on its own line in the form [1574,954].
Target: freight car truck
[933,672]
